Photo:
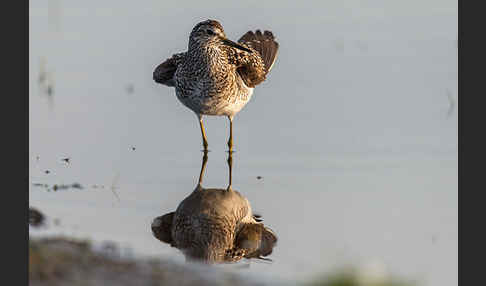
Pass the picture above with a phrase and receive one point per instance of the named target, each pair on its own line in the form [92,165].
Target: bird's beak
[235,45]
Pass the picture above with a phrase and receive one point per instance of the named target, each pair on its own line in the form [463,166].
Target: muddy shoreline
[66,261]
[57,261]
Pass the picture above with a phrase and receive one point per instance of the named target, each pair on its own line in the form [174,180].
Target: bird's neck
[207,53]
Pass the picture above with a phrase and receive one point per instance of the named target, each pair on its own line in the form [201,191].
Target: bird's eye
[210,32]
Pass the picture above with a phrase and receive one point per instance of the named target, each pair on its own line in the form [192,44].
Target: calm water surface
[351,133]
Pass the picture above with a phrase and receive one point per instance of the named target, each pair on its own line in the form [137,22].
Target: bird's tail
[264,43]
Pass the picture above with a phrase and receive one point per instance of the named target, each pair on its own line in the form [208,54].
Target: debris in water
[50,84]
[77,186]
[452,103]
[65,187]
[57,187]
[41,185]
[66,160]
[50,90]
[114,187]
[434,239]
[130,88]
[259,177]
[36,218]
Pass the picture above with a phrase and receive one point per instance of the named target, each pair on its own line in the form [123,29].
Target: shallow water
[351,133]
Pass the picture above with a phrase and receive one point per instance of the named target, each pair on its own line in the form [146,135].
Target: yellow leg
[203,167]
[230,140]
[205,141]
[230,165]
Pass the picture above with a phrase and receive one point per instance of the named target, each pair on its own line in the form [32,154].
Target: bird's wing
[164,73]
[162,227]
[254,67]
[255,240]
[264,43]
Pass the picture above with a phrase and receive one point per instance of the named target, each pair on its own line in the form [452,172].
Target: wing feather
[164,73]
[264,43]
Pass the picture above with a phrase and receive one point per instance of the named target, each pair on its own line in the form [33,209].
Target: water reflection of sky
[350,133]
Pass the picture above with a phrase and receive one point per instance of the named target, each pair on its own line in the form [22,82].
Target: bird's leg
[230,153]
[230,165]
[203,167]
[205,141]
[230,140]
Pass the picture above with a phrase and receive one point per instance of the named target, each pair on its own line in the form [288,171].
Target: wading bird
[216,76]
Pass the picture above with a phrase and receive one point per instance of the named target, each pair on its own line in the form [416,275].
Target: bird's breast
[212,91]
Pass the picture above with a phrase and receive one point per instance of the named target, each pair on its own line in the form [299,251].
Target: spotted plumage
[214,226]
[217,76]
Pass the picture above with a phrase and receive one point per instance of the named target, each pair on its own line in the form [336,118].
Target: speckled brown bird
[216,76]
[215,226]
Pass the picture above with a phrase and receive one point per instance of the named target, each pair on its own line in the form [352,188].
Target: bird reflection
[215,225]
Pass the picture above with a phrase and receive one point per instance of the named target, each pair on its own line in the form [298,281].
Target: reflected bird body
[225,231]
[214,226]
[217,76]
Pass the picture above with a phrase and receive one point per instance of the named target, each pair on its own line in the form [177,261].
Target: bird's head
[210,32]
